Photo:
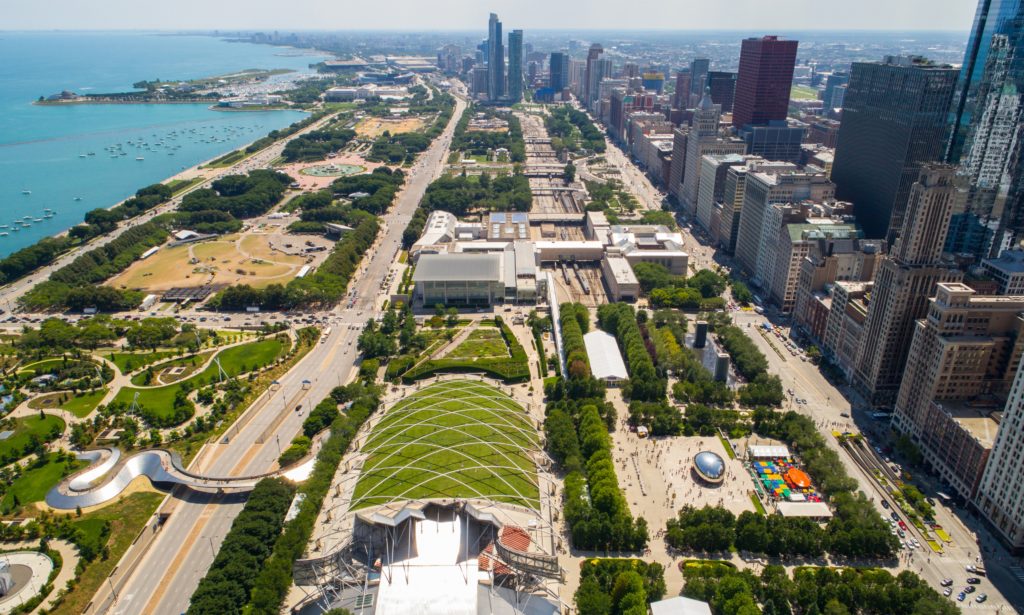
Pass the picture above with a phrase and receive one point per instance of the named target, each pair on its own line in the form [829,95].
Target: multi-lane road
[166,574]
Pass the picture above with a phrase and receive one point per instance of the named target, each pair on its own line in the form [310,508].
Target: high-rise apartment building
[904,283]
[722,86]
[833,82]
[558,71]
[963,357]
[764,188]
[515,66]
[495,59]
[764,80]
[733,193]
[992,18]
[894,121]
[798,241]
[713,168]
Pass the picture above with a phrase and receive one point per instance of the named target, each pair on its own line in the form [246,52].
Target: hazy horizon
[470,15]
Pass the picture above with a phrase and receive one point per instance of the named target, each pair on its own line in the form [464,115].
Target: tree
[570,172]
[453,317]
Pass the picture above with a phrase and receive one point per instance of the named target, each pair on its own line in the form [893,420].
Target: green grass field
[483,343]
[130,361]
[35,481]
[802,92]
[43,367]
[460,439]
[235,360]
[79,405]
[26,427]
[191,364]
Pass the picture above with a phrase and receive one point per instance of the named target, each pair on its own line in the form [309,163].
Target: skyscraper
[558,71]
[703,140]
[592,56]
[495,59]
[834,81]
[515,65]
[894,121]
[681,97]
[1002,482]
[990,157]
[904,283]
[722,86]
[992,17]
[764,80]
[699,75]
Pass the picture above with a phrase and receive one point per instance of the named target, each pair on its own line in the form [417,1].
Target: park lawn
[44,366]
[80,405]
[35,481]
[177,185]
[252,356]
[127,518]
[137,359]
[193,361]
[483,343]
[803,92]
[458,439]
[24,428]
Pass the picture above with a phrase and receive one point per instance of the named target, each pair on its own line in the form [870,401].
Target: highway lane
[169,572]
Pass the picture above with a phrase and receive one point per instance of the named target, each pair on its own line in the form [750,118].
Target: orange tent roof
[798,478]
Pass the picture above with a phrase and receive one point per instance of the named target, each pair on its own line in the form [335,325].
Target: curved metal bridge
[160,466]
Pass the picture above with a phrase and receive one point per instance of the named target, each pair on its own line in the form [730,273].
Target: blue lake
[78,157]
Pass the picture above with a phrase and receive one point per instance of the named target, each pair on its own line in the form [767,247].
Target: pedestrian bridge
[109,475]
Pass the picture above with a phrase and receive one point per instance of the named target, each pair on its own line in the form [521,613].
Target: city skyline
[452,15]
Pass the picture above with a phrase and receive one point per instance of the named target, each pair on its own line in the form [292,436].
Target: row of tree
[97,222]
[827,591]
[716,529]
[316,144]
[480,142]
[572,129]
[230,579]
[618,586]
[574,320]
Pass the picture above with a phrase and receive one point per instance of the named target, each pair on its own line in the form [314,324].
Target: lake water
[41,147]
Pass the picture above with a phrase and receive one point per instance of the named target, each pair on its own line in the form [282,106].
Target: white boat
[26,192]
[3,234]
[37,219]
[78,198]
[15,229]
[140,158]
[81,155]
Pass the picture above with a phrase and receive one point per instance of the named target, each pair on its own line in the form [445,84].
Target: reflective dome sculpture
[709,466]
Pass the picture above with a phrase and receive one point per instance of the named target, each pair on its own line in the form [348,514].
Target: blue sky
[472,14]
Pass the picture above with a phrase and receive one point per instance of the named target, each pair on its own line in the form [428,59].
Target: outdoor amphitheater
[441,507]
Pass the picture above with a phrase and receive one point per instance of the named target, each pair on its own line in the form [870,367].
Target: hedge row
[644,382]
[574,320]
[242,555]
[515,368]
[275,578]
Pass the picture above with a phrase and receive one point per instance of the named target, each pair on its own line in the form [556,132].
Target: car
[946,582]
[845,415]
[903,525]
[973,580]
[981,598]
[901,533]
[970,568]
[969,589]
[947,592]
[961,596]
[885,504]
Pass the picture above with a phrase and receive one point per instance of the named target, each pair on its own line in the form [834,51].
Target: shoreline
[184,174]
[115,101]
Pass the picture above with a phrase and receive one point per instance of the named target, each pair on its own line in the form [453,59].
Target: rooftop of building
[459,266]
[979,419]
[1010,261]
[621,270]
[820,228]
